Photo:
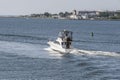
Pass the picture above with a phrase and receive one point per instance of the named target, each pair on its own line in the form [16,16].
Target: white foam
[98,53]
[85,52]
[26,49]
[38,51]
[53,53]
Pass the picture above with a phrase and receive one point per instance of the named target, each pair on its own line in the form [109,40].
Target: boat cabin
[66,37]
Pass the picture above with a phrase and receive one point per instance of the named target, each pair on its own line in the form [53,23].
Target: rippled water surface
[25,55]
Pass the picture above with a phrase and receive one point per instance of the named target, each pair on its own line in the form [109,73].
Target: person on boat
[67,41]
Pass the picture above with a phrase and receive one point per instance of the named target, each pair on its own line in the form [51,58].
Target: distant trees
[61,14]
[116,16]
[35,15]
[66,14]
[104,14]
[46,14]
[109,15]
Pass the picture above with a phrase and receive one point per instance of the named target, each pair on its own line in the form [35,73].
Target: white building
[75,15]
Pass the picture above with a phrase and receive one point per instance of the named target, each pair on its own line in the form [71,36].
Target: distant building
[88,14]
[75,15]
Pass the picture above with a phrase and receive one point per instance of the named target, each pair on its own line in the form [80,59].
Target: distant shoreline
[74,15]
[59,19]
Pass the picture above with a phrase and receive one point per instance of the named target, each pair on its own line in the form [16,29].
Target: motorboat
[63,43]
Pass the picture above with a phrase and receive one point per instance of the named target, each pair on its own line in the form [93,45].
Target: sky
[23,7]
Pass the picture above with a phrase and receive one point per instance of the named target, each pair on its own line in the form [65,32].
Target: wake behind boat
[63,42]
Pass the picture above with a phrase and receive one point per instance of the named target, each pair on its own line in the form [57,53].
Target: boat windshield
[65,33]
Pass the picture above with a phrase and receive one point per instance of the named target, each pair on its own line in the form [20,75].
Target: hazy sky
[17,7]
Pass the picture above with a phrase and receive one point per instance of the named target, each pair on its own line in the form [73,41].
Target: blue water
[25,55]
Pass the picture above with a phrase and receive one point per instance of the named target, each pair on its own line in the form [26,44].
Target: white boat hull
[58,48]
